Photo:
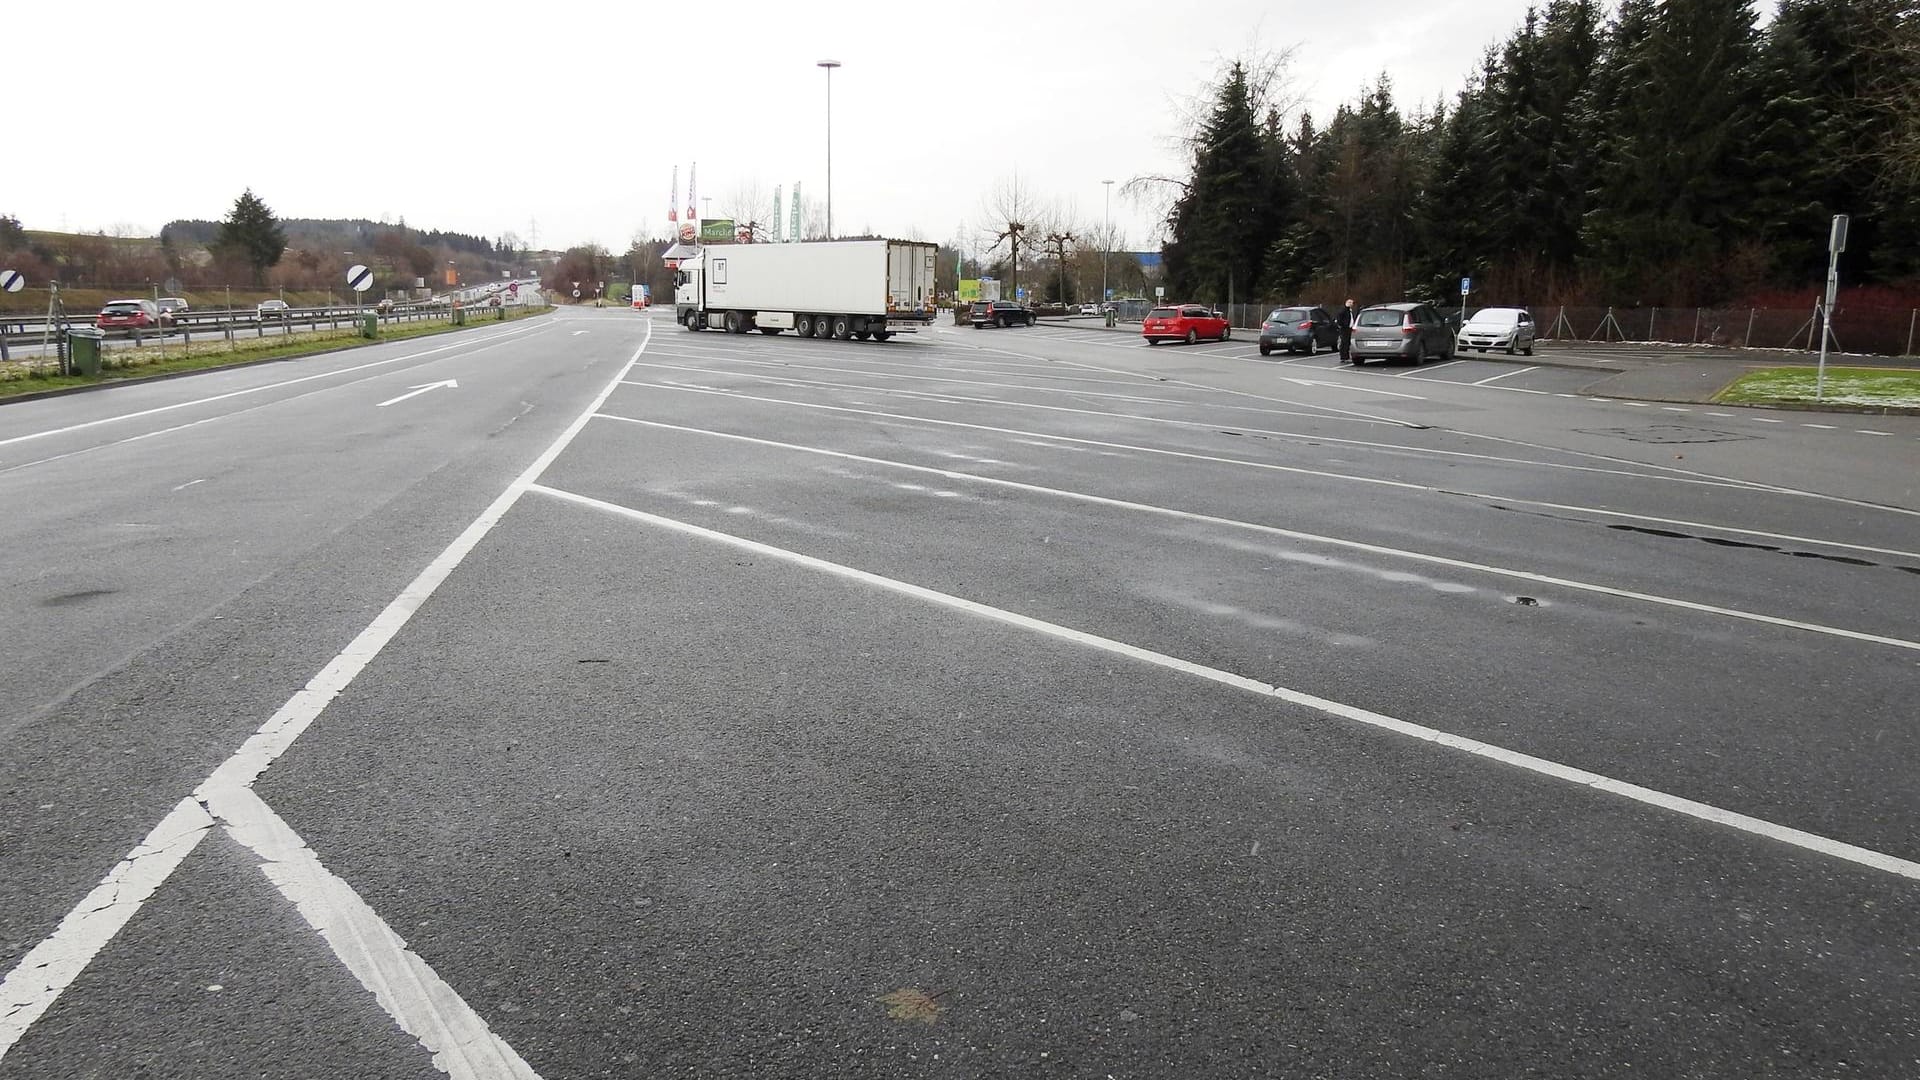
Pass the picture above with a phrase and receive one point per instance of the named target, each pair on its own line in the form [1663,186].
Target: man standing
[1345,322]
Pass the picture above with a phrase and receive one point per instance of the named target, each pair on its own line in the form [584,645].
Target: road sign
[359,278]
[172,285]
[1466,285]
[12,281]
[1160,292]
[576,294]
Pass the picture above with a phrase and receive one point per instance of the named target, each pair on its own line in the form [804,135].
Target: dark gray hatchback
[1401,332]
[1298,329]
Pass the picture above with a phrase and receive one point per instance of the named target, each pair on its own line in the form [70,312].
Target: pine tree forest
[1655,153]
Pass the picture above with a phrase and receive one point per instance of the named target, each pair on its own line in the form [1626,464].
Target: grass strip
[1899,387]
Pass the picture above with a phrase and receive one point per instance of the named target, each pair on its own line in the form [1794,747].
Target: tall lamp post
[1106,239]
[829,65]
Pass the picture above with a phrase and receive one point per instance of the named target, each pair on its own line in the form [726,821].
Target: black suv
[1000,313]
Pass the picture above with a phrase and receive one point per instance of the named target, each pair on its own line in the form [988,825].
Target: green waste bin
[459,316]
[83,350]
[370,325]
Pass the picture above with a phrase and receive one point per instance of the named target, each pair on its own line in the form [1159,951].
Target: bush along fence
[1868,330]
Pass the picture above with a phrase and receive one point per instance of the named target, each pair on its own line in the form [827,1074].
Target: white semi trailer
[844,289]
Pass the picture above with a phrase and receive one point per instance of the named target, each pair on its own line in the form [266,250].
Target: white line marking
[1673,408]
[1765,420]
[577,333]
[449,384]
[1733,485]
[1869,431]
[190,483]
[462,1044]
[91,925]
[268,386]
[1721,415]
[1397,484]
[1822,427]
[1505,375]
[51,966]
[1350,386]
[1541,766]
[1637,404]
[1425,370]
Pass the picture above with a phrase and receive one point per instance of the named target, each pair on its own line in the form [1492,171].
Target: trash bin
[370,325]
[1113,317]
[83,350]
[459,316]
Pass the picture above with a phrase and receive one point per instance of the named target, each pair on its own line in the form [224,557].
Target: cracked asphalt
[982,703]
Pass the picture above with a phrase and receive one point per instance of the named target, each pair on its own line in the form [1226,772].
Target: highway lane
[885,710]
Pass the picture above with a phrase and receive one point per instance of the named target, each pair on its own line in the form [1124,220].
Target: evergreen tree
[1224,223]
[252,233]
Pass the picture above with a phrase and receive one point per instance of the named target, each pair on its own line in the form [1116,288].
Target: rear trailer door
[910,269]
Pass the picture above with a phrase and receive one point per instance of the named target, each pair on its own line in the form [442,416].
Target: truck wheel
[803,326]
[734,324]
[693,320]
[822,326]
[861,335]
[882,335]
[842,328]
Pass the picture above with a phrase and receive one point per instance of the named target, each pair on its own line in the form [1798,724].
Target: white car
[1505,328]
[1089,309]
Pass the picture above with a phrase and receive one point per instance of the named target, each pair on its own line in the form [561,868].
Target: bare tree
[750,204]
[1894,86]
[1015,218]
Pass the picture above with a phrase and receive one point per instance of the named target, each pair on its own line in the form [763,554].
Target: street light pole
[1106,240]
[829,65]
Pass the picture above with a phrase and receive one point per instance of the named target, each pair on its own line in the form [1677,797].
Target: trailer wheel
[882,335]
[842,328]
[861,335]
[803,325]
[822,328]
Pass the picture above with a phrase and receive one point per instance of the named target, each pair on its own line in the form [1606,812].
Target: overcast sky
[484,119]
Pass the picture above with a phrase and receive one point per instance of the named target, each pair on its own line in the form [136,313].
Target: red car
[129,315]
[1188,323]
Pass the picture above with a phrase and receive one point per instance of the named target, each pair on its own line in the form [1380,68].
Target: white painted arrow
[418,390]
[1348,386]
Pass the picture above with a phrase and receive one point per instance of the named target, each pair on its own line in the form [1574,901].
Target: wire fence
[1869,330]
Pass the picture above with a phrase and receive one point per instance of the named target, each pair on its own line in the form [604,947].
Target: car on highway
[1511,329]
[272,309]
[1298,329]
[999,313]
[1405,331]
[129,315]
[171,306]
[1188,323]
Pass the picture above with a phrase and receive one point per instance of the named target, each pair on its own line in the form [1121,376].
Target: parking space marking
[1822,427]
[51,966]
[1674,804]
[1424,371]
[1506,375]
[1869,431]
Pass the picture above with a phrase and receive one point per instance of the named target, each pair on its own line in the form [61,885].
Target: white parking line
[1424,371]
[1673,408]
[1506,375]
[1675,804]
[1822,427]
[1765,420]
[1869,431]
[51,966]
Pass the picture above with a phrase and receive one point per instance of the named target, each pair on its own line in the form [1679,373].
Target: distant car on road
[1089,309]
[1298,329]
[1506,328]
[170,306]
[272,309]
[129,315]
[999,313]
[1190,323]
[1401,332]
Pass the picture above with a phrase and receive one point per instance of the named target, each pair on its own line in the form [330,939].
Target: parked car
[1188,323]
[1089,309]
[1401,332]
[1298,329]
[999,313]
[272,309]
[129,315]
[170,306]
[1506,328]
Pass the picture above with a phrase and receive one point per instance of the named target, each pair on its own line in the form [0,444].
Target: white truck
[845,289]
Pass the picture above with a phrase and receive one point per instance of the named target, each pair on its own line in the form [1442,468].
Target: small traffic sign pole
[10,281]
[1836,243]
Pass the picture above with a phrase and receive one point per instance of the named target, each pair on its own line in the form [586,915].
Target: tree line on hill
[1674,154]
[251,245]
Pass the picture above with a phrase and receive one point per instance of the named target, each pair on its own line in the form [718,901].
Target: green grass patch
[1899,387]
[123,363]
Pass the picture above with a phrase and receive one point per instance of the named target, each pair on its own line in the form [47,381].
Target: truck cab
[689,293]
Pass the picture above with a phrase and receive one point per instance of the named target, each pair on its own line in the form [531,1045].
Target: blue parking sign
[1466,285]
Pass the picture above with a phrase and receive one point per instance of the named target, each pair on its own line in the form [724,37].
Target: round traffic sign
[12,281]
[359,278]
[576,294]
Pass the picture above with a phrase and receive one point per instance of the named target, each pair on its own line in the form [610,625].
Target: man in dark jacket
[1345,321]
